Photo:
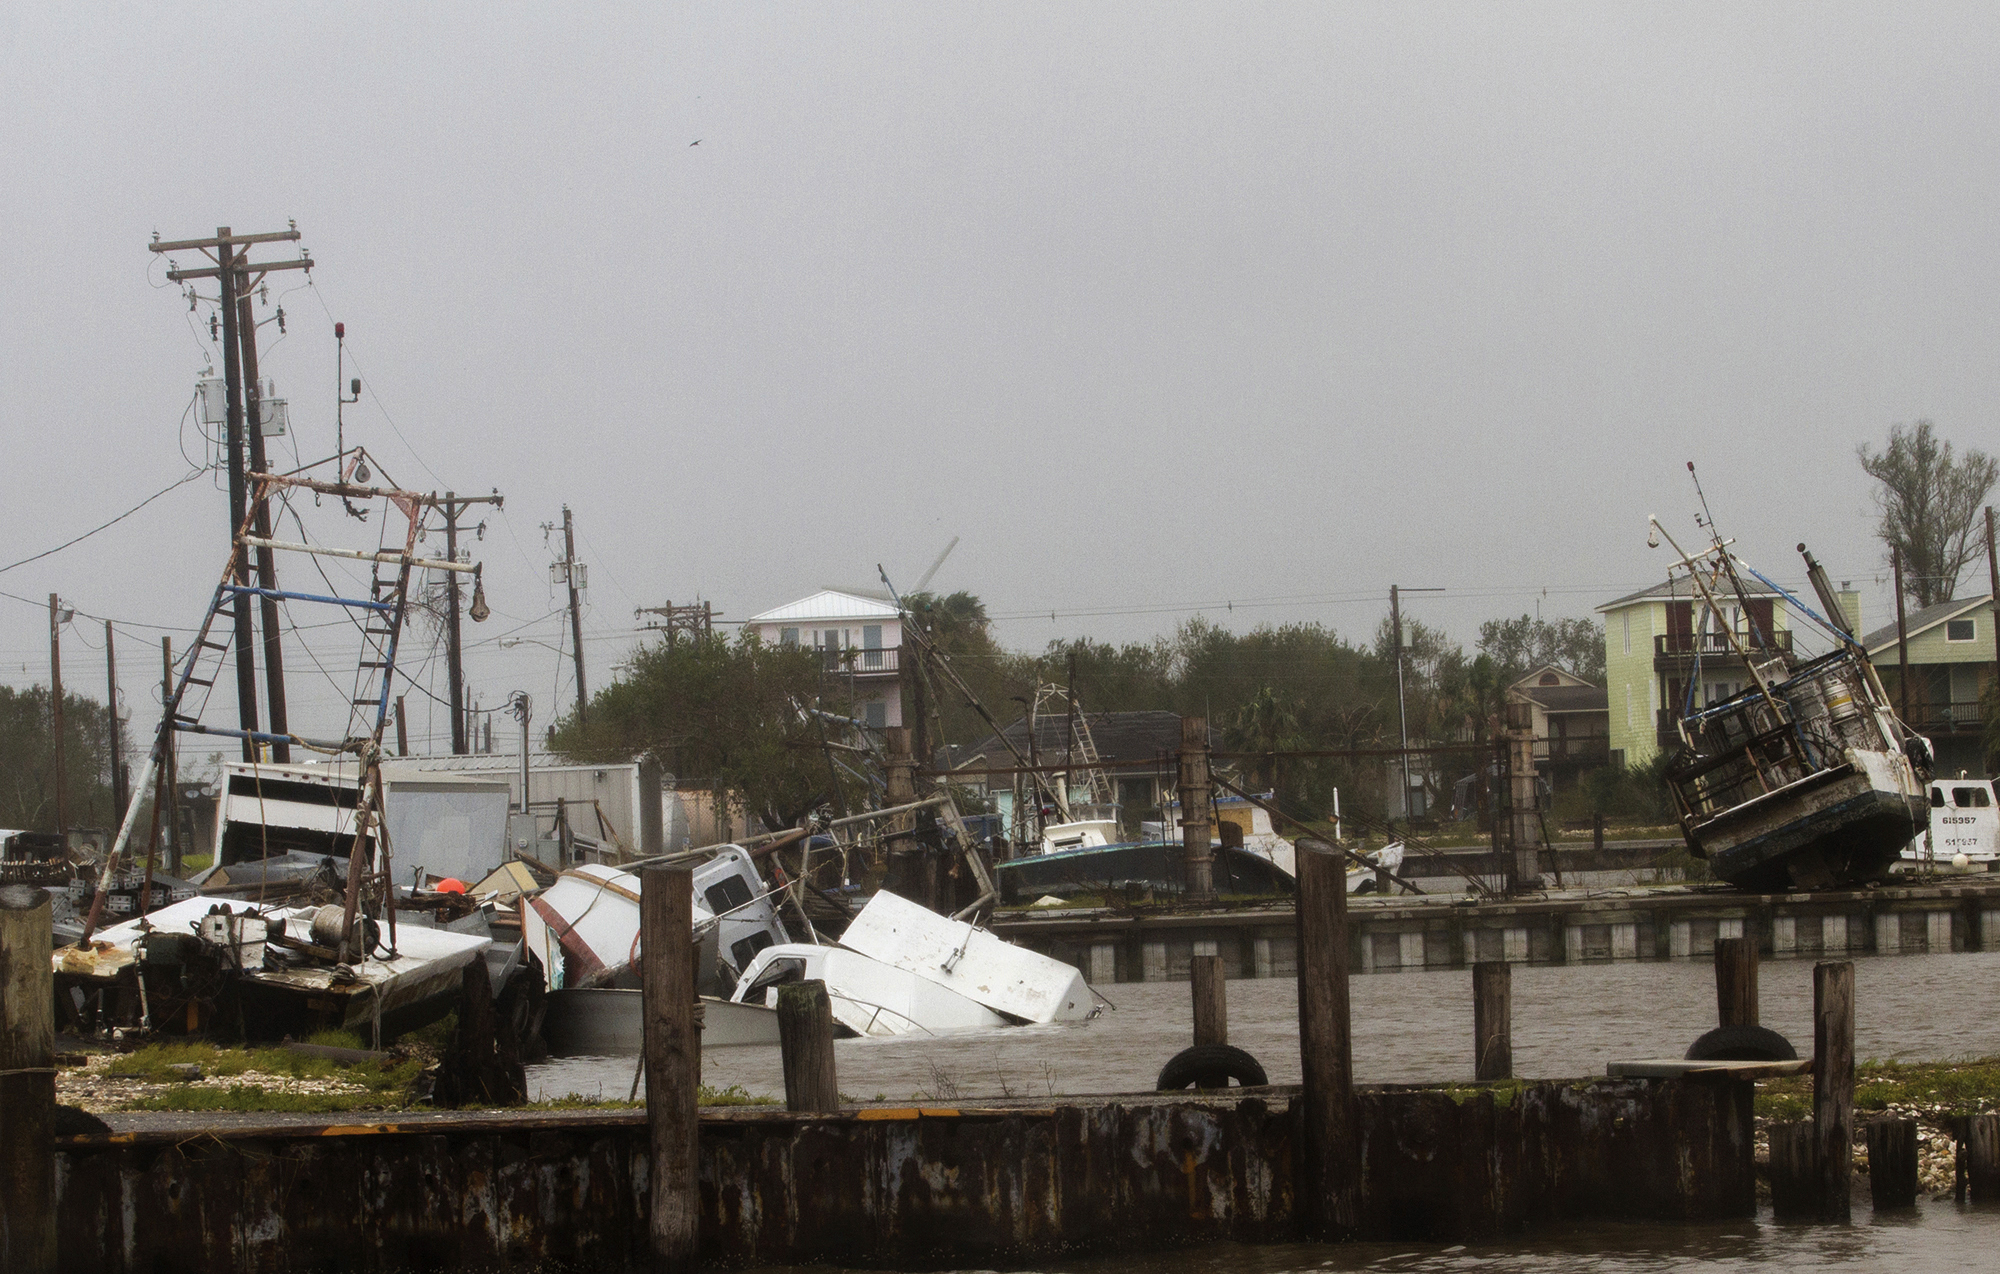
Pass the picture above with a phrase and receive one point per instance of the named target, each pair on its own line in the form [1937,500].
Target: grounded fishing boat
[1806,779]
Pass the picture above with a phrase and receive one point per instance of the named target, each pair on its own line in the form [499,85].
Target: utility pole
[1902,642]
[169,776]
[260,516]
[56,713]
[696,620]
[454,646]
[223,249]
[1402,722]
[1993,571]
[570,571]
[120,775]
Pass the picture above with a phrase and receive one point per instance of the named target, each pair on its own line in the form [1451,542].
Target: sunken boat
[1806,779]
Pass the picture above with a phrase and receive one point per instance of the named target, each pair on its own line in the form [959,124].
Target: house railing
[1593,749]
[1945,718]
[864,662]
[1713,645]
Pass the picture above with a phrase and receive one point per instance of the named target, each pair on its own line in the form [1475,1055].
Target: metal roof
[1678,589]
[827,604]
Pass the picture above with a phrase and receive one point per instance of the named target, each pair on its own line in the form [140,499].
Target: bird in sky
[695,142]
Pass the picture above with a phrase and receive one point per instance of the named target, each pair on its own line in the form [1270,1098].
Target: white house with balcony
[860,638]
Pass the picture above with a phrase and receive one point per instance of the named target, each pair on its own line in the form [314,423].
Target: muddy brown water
[1569,1021]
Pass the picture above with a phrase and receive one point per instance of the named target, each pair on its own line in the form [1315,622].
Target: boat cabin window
[1970,798]
[744,950]
[1937,798]
[726,895]
[779,973]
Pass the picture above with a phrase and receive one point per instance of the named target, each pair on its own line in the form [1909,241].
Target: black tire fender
[1210,1066]
[1742,1044]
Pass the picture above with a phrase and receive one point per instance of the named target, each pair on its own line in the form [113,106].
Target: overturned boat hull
[1843,829]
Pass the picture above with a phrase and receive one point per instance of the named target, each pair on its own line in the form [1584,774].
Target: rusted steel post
[1194,794]
[1833,1086]
[1736,981]
[1329,1159]
[1794,1183]
[27,1083]
[1892,1163]
[673,1060]
[1211,1000]
[1493,1020]
[805,1041]
[1979,1155]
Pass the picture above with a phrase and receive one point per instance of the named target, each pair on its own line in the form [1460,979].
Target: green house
[1664,648]
[1950,666]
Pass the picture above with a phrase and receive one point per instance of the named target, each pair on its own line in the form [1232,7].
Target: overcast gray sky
[1156,307]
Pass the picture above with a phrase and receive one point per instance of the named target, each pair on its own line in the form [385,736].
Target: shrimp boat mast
[1805,780]
[344,959]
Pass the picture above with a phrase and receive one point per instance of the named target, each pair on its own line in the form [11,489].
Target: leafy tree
[1929,501]
[1519,646]
[720,712]
[27,762]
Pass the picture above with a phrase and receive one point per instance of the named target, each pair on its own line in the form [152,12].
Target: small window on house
[876,714]
[788,636]
[1550,679]
[1958,630]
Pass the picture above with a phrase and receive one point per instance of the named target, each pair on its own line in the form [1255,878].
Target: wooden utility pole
[169,776]
[230,265]
[673,1062]
[260,518]
[56,714]
[454,642]
[575,615]
[1194,794]
[1902,641]
[27,1084]
[120,775]
[1330,1192]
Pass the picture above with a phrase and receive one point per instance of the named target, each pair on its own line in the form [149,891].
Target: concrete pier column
[1261,957]
[1103,962]
[1682,932]
[1410,950]
[1514,945]
[1730,928]
[1784,935]
[1572,944]
[1989,931]
[1204,947]
[1833,934]
[1625,941]
[1937,936]
[1888,934]
[1154,962]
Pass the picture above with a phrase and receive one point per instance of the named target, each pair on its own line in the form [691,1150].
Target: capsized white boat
[867,996]
[1025,985]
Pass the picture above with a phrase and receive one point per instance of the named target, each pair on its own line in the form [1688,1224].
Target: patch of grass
[1504,1092]
[336,1039]
[1936,1090]
[155,1063]
[734,1095]
[436,1036]
[255,1097]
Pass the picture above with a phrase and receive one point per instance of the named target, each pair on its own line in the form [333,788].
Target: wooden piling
[1892,1163]
[1794,1179]
[1833,1086]
[1195,796]
[1493,1020]
[1329,1159]
[27,1083]
[1736,981]
[673,1061]
[1979,1157]
[805,1040]
[1211,1000]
